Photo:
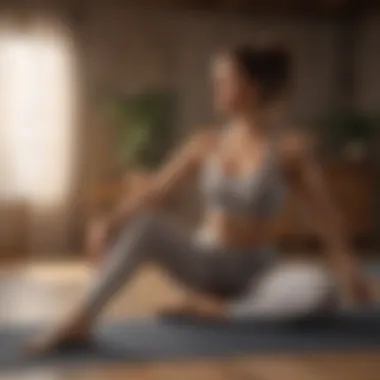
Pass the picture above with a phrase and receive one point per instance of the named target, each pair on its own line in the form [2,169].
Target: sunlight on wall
[37,115]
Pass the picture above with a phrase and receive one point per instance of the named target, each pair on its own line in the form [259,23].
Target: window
[37,100]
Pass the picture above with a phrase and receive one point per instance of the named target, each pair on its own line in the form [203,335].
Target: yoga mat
[155,340]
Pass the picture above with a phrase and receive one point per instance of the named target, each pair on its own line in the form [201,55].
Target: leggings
[201,267]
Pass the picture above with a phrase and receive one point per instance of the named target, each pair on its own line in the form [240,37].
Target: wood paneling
[351,186]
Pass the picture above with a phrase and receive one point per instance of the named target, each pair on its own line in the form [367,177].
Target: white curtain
[37,123]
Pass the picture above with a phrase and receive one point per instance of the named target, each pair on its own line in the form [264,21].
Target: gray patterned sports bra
[259,196]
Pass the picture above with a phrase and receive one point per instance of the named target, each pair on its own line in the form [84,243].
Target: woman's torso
[244,192]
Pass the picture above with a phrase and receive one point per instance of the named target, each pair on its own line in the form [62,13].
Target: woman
[245,169]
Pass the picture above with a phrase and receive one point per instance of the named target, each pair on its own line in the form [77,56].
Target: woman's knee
[306,287]
[148,222]
[144,221]
[147,230]
[289,291]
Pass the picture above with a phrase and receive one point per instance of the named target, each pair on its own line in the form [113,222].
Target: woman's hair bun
[268,66]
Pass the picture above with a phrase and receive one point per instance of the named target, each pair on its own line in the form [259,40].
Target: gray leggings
[250,284]
[201,267]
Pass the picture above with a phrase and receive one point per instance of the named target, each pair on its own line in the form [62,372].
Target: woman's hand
[307,180]
[362,292]
[96,241]
[357,288]
[99,232]
[147,191]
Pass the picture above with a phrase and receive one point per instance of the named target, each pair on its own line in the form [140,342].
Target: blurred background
[93,94]
[92,90]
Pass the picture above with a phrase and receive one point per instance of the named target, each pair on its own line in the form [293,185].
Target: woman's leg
[150,237]
[288,292]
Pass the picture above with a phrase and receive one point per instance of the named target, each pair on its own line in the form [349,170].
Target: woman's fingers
[96,241]
[365,292]
[360,291]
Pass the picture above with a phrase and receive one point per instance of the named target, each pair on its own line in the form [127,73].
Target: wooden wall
[351,186]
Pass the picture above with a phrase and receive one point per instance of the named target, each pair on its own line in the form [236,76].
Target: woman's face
[232,92]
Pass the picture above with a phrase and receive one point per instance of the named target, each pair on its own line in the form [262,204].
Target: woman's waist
[236,233]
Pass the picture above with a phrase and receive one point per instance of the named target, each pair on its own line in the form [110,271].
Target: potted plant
[143,128]
[349,135]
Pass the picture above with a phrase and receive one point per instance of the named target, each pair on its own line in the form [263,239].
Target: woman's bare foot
[180,310]
[195,310]
[73,334]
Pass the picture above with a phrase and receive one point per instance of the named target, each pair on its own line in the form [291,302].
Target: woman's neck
[253,123]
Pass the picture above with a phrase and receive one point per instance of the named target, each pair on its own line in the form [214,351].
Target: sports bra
[259,196]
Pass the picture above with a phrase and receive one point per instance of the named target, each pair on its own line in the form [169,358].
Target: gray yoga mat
[151,340]
[154,339]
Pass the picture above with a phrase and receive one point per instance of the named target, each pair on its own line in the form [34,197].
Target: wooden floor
[39,292]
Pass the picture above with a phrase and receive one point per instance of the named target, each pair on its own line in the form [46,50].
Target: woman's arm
[151,193]
[182,165]
[306,179]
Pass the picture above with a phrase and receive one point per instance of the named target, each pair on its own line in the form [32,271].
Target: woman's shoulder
[296,148]
[296,144]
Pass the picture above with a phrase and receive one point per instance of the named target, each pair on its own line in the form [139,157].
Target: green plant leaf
[143,125]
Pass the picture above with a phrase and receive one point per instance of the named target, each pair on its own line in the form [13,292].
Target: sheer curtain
[37,120]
